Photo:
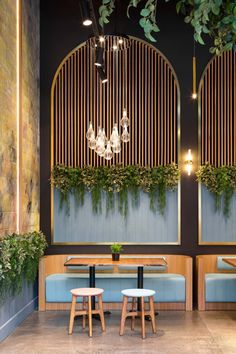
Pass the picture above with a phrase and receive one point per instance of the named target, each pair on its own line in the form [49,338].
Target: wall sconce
[189,162]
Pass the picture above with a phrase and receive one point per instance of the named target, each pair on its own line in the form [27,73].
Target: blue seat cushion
[220,287]
[168,287]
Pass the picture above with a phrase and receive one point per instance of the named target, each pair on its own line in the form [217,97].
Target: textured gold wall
[7,116]
[30,116]
[29,131]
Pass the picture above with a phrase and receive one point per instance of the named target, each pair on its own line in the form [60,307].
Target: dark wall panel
[61,31]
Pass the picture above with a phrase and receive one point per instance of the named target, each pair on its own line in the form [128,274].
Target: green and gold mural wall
[19,122]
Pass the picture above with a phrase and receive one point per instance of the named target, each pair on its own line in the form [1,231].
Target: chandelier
[106,147]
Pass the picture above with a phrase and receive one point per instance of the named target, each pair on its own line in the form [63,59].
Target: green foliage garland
[221,181]
[116,180]
[19,256]
[216,18]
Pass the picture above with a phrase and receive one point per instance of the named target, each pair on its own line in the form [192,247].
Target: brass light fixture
[194,93]
[189,162]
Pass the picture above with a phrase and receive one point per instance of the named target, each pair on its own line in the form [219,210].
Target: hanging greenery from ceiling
[116,181]
[221,182]
[215,18]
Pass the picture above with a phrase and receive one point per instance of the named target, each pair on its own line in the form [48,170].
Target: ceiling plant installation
[214,18]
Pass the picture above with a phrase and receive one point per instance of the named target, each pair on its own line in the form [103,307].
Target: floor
[178,332]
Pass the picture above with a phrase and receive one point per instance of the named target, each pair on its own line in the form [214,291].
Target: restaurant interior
[117,176]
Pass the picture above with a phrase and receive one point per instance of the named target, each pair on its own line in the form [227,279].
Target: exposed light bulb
[90,132]
[115,47]
[120,41]
[101,39]
[189,162]
[108,154]
[125,137]
[194,96]
[124,120]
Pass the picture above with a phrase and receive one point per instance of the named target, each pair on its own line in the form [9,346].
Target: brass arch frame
[200,241]
[178,242]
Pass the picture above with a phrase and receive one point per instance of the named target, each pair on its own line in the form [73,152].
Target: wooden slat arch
[151,97]
[217,111]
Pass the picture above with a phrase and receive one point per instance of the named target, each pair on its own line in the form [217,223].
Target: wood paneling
[217,94]
[141,80]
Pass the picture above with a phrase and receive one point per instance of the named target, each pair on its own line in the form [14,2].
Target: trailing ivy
[214,18]
[221,182]
[116,180]
[19,257]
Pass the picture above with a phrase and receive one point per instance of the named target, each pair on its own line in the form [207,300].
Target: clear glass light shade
[114,139]
[92,143]
[108,154]
[124,120]
[125,137]
[90,132]
[117,148]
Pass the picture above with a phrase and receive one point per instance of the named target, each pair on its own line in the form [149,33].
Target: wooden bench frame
[208,264]
[176,264]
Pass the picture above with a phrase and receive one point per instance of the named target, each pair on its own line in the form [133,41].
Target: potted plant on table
[116,249]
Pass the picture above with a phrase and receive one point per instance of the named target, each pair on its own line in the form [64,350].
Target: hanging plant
[116,180]
[221,182]
[215,18]
[19,257]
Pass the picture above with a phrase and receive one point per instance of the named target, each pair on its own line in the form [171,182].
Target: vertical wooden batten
[141,79]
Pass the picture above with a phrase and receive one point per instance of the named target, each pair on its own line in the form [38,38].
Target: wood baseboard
[220,306]
[164,306]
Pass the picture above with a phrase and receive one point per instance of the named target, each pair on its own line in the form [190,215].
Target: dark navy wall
[16,308]
[61,31]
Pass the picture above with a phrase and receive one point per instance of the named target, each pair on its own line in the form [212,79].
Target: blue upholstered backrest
[221,265]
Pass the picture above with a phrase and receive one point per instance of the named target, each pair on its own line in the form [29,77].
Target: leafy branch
[221,182]
[19,256]
[215,18]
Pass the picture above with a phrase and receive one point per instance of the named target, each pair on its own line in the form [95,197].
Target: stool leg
[90,315]
[123,315]
[152,314]
[101,313]
[84,308]
[133,318]
[143,317]
[72,314]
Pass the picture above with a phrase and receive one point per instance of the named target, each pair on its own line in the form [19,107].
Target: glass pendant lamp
[108,154]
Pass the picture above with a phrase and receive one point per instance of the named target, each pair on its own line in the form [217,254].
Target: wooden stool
[86,293]
[140,294]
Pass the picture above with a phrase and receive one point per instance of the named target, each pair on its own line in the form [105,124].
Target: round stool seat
[138,292]
[87,291]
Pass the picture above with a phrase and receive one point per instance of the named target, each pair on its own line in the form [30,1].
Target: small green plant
[116,248]
[19,257]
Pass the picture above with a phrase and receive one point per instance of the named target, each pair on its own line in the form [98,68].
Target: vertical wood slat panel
[218,109]
[150,97]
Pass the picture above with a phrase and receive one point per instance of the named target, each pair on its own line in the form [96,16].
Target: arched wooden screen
[217,105]
[151,97]
[217,144]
